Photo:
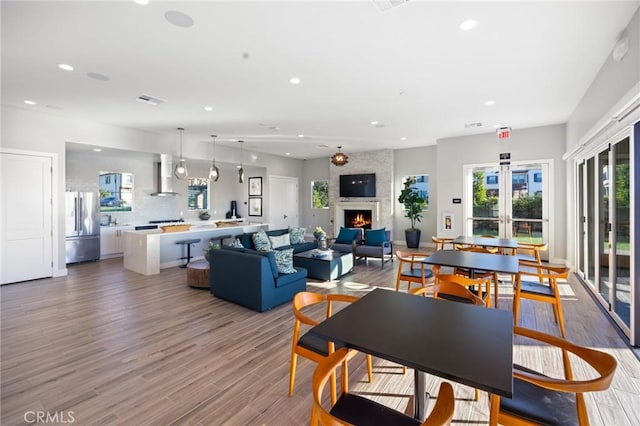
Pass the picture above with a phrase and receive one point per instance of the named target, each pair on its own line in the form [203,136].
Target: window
[492,180]
[320,194]
[116,191]
[198,194]
[537,177]
[422,186]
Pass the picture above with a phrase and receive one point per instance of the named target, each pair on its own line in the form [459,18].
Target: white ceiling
[409,67]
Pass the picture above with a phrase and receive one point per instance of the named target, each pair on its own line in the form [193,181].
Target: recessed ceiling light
[97,149]
[489,103]
[58,107]
[179,19]
[287,153]
[142,2]
[322,146]
[294,80]
[403,138]
[29,102]
[467,25]
[301,135]
[65,67]
[374,123]
[208,108]
[98,76]
[495,126]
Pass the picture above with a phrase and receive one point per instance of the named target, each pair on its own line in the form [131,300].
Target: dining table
[464,343]
[503,243]
[474,261]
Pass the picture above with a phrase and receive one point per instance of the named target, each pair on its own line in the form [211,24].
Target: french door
[508,201]
[604,227]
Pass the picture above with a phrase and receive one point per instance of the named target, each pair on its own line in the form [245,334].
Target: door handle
[501,218]
[508,219]
[284,216]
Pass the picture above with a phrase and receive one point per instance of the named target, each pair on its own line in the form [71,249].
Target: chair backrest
[307,298]
[476,249]
[440,242]
[532,249]
[410,256]
[444,288]
[545,273]
[441,414]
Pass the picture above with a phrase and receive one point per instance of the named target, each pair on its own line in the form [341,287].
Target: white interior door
[283,202]
[26,217]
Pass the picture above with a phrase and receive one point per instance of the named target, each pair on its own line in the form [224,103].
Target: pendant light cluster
[214,173]
[339,158]
[181,168]
[241,170]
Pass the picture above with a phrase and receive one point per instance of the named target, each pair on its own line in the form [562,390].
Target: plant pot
[205,217]
[412,237]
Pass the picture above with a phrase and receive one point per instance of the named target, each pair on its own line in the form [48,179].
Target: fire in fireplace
[358,219]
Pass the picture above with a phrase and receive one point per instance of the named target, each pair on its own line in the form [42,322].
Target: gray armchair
[348,246]
[376,244]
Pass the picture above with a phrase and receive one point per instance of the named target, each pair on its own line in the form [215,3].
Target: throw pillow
[271,256]
[284,260]
[297,235]
[375,237]
[346,235]
[280,241]
[237,244]
[261,241]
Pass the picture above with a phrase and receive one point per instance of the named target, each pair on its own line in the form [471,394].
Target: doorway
[283,202]
[509,201]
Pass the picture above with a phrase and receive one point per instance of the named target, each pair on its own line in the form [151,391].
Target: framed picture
[255,206]
[448,222]
[255,186]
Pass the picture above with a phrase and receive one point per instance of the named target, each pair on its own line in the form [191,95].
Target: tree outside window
[320,194]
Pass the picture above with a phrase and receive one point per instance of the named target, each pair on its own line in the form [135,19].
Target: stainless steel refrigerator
[82,224]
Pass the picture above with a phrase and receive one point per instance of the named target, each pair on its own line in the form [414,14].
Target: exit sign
[504,133]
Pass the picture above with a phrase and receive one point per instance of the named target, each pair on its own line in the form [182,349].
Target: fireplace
[359,218]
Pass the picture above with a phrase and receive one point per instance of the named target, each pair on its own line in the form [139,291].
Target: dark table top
[487,242]
[320,255]
[468,344]
[474,261]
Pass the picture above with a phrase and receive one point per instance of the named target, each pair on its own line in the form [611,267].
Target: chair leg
[477,395]
[496,282]
[516,308]
[369,368]
[561,319]
[333,387]
[292,372]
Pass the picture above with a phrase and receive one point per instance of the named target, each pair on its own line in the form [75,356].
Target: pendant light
[241,170]
[339,158]
[181,168]
[214,173]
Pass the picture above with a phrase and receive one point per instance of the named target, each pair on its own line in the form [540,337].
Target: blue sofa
[247,241]
[248,278]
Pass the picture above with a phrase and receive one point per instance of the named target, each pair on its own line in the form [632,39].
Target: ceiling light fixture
[287,153]
[301,135]
[97,149]
[339,158]
[467,25]
[28,102]
[214,173]
[241,170]
[403,138]
[294,80]
[374,123]
[208,108]
[65,67]
[141,2]
[489,103]
[181,168]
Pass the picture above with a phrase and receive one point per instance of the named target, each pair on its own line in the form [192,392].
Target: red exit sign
[504,133]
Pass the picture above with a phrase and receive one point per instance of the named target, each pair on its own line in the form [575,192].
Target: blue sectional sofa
[251,279]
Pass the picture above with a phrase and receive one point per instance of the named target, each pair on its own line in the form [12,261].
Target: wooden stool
[198,274]
[188,244]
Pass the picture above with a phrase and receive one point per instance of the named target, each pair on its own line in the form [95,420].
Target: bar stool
[188,244]
[220,239]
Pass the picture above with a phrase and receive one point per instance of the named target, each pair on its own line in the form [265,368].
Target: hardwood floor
[108,346]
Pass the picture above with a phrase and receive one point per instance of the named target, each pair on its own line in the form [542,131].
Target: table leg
[420,395]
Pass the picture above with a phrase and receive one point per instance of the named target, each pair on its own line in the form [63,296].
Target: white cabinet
[112,240]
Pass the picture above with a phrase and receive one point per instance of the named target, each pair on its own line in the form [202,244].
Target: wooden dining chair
[530,251]
[540,399]
[312,346]
[351,409]
[481,285]
[449,290]
[544,289]
[412,270]
[490,249]
[441,242]
[481,274]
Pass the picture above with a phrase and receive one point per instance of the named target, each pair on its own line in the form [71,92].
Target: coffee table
[324,265]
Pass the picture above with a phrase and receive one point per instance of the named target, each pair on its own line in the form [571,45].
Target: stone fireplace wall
[379,162]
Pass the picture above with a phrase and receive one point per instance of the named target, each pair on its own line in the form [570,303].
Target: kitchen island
[147,251]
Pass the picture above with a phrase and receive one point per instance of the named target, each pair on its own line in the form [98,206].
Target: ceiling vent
[383,5]
[472,125]
[150,99]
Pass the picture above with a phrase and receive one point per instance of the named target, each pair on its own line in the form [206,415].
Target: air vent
[472,125]
[383,5]
[150,99]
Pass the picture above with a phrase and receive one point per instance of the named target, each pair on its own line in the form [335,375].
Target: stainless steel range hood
[164,173]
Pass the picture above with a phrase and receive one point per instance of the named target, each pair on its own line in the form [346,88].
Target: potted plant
[319,233]
[204,215]
[413,205]
[207,250]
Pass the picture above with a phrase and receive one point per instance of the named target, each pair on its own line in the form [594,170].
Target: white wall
[538,143]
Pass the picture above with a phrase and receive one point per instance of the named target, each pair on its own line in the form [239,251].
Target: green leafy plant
[413,202]
[204,213]
[207,250]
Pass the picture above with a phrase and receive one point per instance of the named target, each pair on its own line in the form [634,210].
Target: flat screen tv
[362,185]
